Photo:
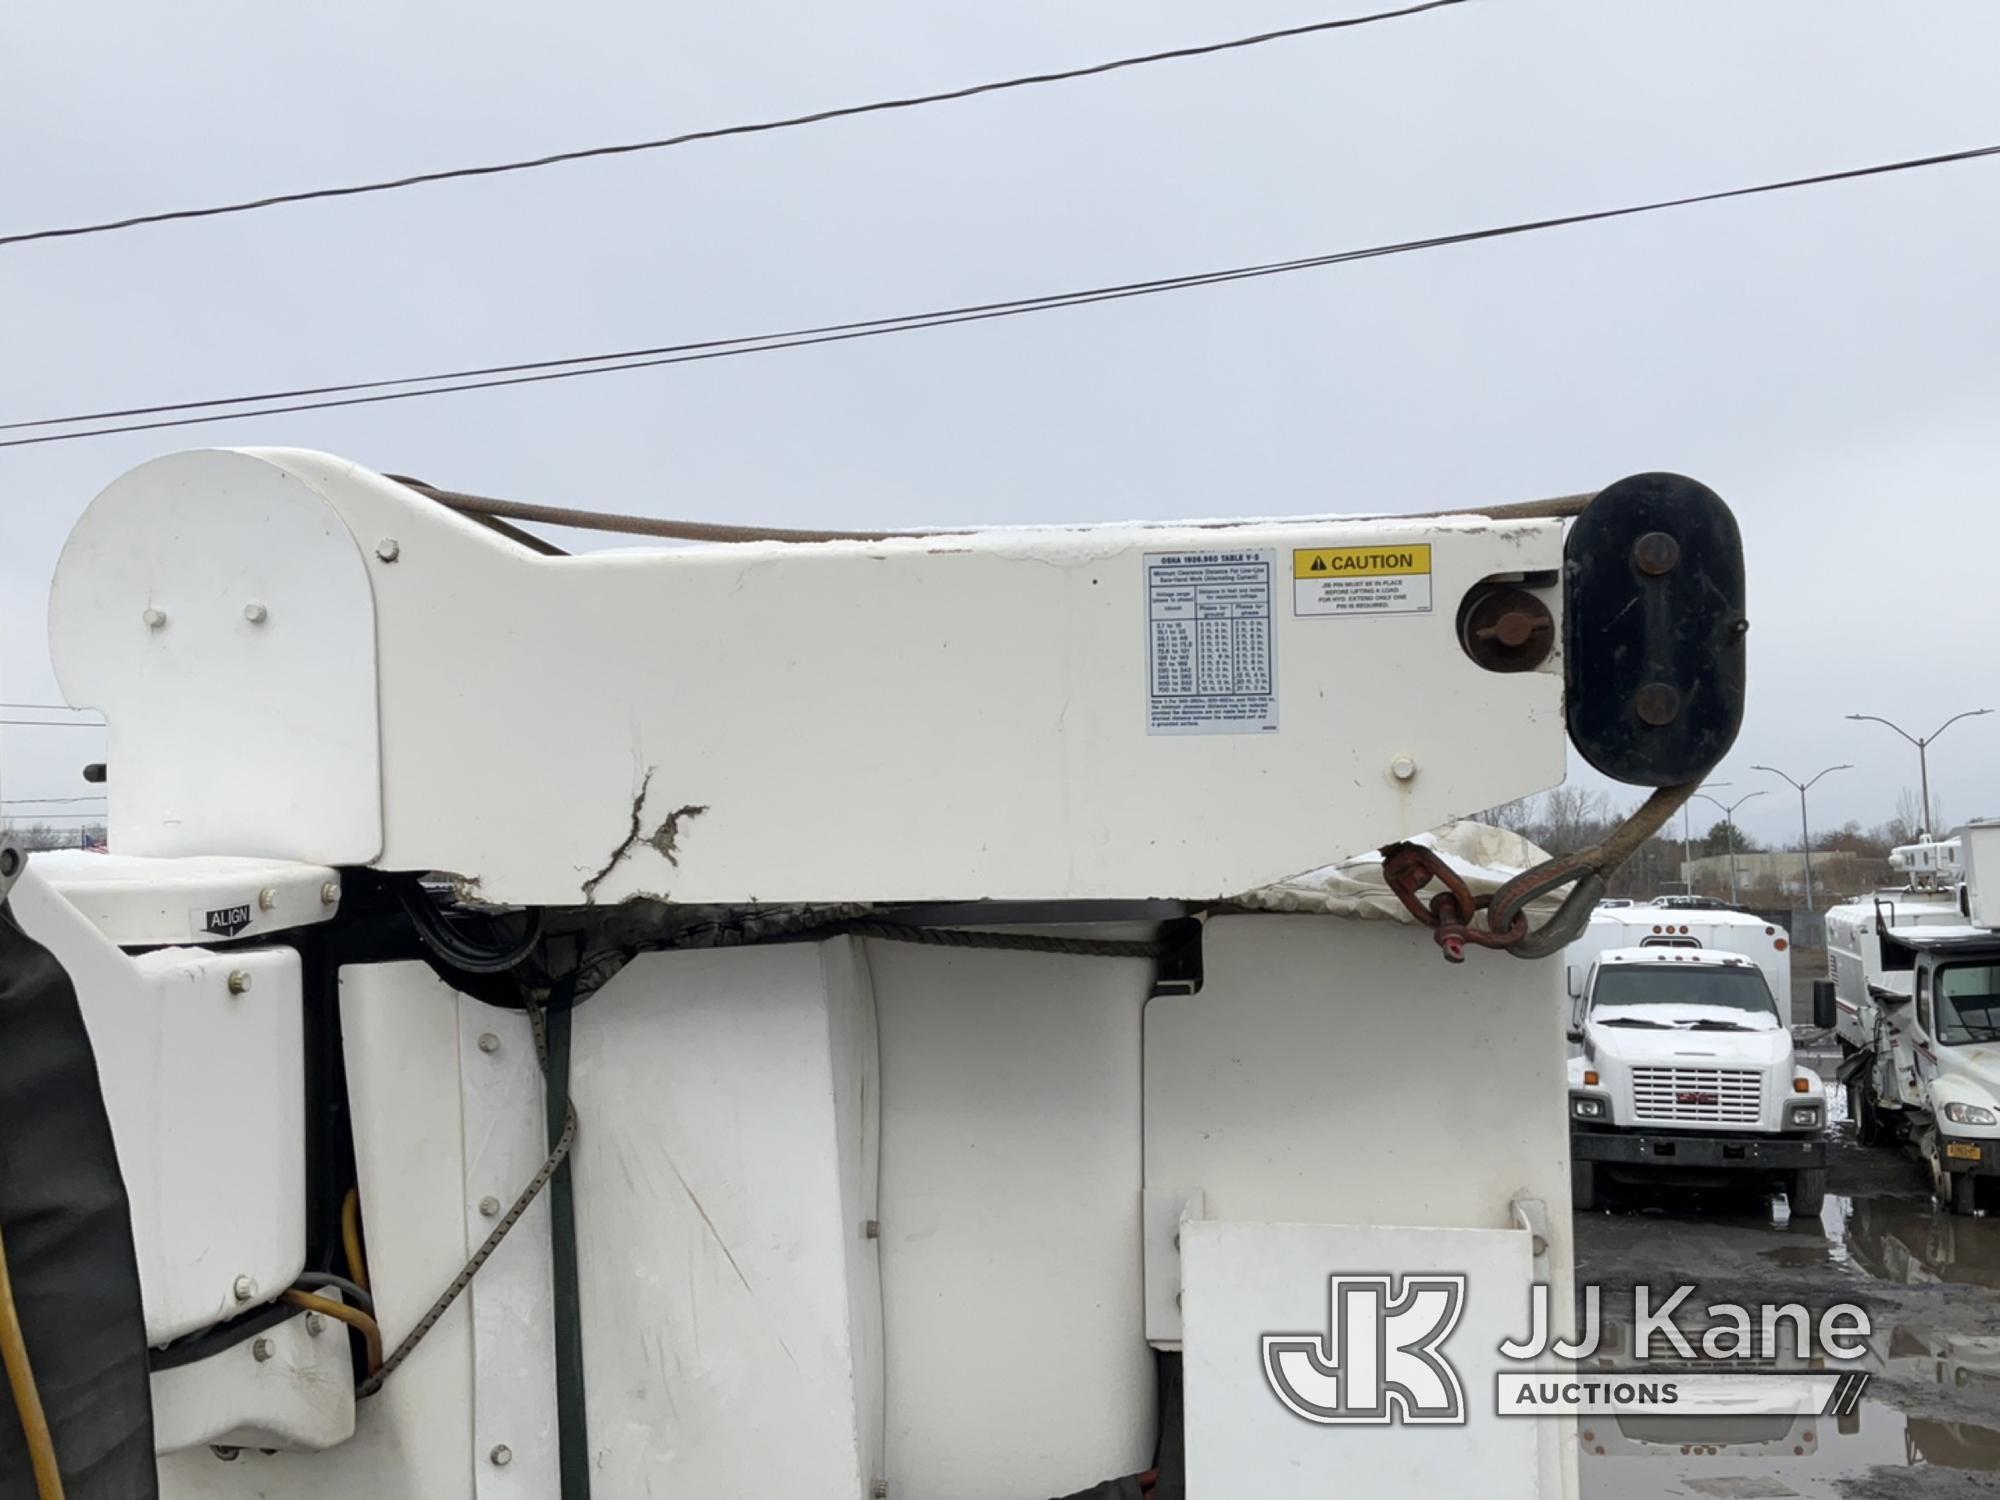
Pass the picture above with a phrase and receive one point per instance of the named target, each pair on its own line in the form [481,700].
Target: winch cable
[1408,868]
[27,1395]
[557,1155]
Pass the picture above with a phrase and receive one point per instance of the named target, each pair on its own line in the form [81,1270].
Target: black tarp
[68,1235]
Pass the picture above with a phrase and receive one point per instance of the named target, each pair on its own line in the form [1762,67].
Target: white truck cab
[1914,997]
[1686,1068]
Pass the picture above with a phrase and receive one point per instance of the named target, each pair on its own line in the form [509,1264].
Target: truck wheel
[1867,1119]
[1583,1193]
[1808,1193]
[1964,1192]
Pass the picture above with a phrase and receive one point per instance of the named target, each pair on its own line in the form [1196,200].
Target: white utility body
[896,913]
[1914,995]
[1684,1065]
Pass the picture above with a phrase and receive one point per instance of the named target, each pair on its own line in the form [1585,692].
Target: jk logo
[1378,1362]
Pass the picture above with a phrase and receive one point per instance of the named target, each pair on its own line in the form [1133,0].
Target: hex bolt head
[267,899]
[315,1324]
[329,894]
[154,618]
[388,549]
[255,613]
[262,1349]
[488,1042]
[489,1206]
[1403,768]
[243,1289]
[501,1456]
[239,981]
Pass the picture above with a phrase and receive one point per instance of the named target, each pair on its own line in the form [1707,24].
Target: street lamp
[1805,833]
[1923,762]
[1687,842]
[1729,822]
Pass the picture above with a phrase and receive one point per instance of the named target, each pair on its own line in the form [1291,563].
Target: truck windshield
[1683,985]
[1968,1004]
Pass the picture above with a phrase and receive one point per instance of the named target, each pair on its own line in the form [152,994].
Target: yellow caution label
[1397,561]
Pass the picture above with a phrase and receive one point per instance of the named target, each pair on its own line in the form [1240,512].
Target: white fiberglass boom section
[300,659]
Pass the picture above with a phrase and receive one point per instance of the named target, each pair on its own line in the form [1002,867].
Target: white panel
[299,1394]
[1244,1281]
[138,902]
[721,1176]
[513,1308]
[1011,1248]
[204,1091]
[1165,1210]
[897,672]
[227,735]
[400,1032]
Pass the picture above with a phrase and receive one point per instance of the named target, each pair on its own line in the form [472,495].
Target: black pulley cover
[1653,630]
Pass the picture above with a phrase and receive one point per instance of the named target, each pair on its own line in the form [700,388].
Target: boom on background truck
[784,1018]
[1685,1069]
[1913,994]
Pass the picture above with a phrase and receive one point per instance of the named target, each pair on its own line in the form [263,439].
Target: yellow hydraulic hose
[27,1399]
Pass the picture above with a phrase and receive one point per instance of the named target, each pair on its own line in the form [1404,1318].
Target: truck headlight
[1804,1116]
[1586,1107]
[1970,1114]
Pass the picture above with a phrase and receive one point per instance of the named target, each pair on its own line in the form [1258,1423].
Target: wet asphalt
[1930,1423]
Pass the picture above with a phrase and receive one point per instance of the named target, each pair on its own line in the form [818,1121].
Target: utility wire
[790,122]
[51,724]
[54,708]
[18,801]
[576,366]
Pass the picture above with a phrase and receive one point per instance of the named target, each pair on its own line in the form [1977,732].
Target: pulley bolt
[489,1206]
[1656,554]
[262,1349]
[1657,703]
[488,1042]
[315,1324]
[239,981]
[243,1289]
[501,1456]
[154,618]
[388,549]
[256,614]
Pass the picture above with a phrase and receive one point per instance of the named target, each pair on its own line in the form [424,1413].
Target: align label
[1393,579]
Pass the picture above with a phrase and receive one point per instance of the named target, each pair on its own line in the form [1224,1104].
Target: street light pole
[1805,831]
[1687,842]
[1729,824]
[1923,745]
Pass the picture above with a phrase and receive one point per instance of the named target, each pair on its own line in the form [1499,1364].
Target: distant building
[1783,868]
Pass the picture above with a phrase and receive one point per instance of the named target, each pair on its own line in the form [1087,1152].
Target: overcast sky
[1829,359]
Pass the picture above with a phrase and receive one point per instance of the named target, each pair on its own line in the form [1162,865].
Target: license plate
[1963,1150]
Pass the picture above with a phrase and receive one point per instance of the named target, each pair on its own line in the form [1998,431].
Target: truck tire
[1963,1189]
[1583,1192]
[1868,1129]
[1808,1193]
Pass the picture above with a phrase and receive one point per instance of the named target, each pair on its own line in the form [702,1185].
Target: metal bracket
[1532,1215]
[1162,1212]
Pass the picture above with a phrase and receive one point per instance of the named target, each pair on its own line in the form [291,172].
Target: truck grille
[1710,1096]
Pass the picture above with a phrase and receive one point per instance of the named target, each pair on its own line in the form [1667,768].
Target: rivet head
[154,618]
[1403,768]
[1656,554]
[1657,704]
[489,1206]
[315,1324]
[262,1349]
[329,893]
[501,1456]
[488,1042]
[267,899]
[388,549]
[239,981]
[243,1289]
[256,614]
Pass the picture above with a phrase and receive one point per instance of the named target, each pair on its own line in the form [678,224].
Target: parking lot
[1929,1425]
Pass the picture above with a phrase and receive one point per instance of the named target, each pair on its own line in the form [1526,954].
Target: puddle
[1904,1241]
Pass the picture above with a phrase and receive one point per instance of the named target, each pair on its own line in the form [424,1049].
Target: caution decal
[1390,579]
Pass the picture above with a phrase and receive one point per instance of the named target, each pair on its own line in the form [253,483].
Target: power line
[50,724]
[577,366]
[19,801]
[54,708]
[790,122]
